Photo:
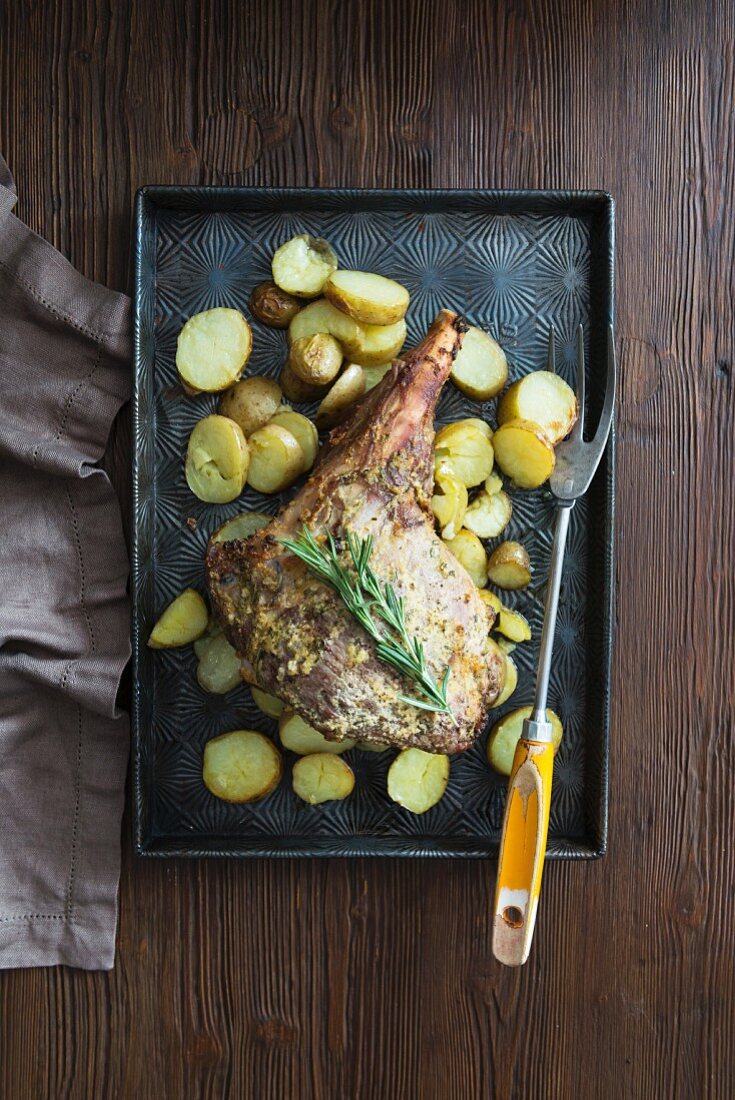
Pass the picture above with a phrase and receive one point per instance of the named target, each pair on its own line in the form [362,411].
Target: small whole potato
[251,403]
[316,359]
[295,389]
[272,306]
[509,566]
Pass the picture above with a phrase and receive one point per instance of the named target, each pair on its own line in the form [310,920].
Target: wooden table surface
[359,979]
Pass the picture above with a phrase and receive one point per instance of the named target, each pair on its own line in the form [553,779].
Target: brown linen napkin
[65,349]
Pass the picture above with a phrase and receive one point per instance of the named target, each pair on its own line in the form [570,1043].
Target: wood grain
[371,979]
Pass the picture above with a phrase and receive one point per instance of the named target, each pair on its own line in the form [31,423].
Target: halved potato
[269,704]
[510,682]
[506,646]
[488,516]
[470,553]
[321,316]
[298,736]
[349,388]
[465,450]
[303,431]
[523,452]
[251,403]
[302,265]
[480,369]
[272,306]
[184,620]
[374,375]
[375,344]
[322,777]
[212,350]
[241,766]
[417,779]
[217,460]
[481,425]
[497,649]
[509,566]
[315,359]
[218,670]
[507,732]
[513,625]
[276,459]
[493,484]
[295,389]
[449,504]
[543,398]
[369,298]
[240,527]
[492,600]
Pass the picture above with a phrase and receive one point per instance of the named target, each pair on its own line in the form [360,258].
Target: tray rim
[594,846]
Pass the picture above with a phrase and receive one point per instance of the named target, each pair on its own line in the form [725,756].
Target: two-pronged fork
[526,821]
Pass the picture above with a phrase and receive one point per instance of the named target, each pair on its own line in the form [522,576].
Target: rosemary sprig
[361,592]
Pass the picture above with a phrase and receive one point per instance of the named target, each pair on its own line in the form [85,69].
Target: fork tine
[578,429]
[603,428]
[551,353]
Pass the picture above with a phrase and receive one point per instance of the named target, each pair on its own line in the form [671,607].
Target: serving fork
[526,820]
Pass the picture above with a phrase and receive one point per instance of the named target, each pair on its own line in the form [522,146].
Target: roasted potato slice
[507,732]
[322,777]
[543,398]
[374,375]
[465,451]
[480,369]
[269,704]
[493,484]
[505,645]
[298,736]
[417,780]
[212,350]
[295,389]
[302,265]
[272,306]
[510,682]
[523,453]
[375,344]
[315,359]
[321,316]
[470,553]
[349,388]
[251,403]
[492,600]
[509,566]
[369,298]
[372,746]
[481,425]
[449,504]
[276,459]
[513,625]
[217,460]
[241,766]
[218,670]
[488,516]
[184,620]
[240,527]
[303,431]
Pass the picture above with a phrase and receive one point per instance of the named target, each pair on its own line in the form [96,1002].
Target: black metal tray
[514,262]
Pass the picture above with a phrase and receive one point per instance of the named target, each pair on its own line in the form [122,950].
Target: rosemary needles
[367,601]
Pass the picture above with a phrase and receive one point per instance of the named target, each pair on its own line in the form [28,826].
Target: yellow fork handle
[522,851]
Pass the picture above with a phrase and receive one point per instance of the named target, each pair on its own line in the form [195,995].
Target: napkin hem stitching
[60,314]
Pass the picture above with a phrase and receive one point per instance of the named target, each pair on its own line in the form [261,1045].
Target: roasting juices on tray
[359,614]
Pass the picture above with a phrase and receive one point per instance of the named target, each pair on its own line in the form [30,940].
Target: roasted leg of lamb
[298,640]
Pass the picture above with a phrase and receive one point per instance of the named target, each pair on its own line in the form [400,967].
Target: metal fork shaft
[552,603]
